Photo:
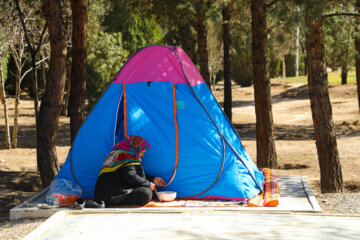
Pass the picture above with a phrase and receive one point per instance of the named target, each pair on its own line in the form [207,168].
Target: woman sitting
[122,180]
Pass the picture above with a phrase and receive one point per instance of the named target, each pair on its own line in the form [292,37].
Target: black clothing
[138,197]
[118,186]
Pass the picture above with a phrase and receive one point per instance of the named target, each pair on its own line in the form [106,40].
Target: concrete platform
[295,197]
[213,225]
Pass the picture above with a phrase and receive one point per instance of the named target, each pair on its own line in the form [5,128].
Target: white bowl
[166,196]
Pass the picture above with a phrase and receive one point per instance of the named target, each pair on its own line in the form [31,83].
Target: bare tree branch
[24,74]
[341,14]
[30,69]
[41,39]
[23,25]
[42,60]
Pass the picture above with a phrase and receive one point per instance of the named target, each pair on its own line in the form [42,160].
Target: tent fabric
[159,63]
[169,105]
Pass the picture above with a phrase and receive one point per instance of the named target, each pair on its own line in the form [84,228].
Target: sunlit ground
[334,78]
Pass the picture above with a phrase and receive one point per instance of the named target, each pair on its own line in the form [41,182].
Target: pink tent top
[159,63]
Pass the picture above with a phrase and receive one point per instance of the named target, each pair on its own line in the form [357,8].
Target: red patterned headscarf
[125,153]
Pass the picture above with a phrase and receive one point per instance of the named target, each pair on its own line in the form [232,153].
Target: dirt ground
[294,134]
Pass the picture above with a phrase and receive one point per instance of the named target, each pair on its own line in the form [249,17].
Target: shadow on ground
[27,136]
[298,132]
[15,188]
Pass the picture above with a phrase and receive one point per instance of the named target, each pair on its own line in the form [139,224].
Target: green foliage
[313,9]
[133,20]
[219,76]
[334,78]
[106,53]
[95,86]
[290,64]
[10,82]
[105,58]
[177,18]
[5,61]
[241,61]
[339,44]
[274,67]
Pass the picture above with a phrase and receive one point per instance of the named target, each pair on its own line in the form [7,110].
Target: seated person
[122,180]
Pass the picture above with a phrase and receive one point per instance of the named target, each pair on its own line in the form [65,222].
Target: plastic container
[166,196]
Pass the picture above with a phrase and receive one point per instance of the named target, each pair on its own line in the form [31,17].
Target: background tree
[339,47]
[67,12]
[33,45]
[266,153]
[315,12]
[108,22]
[3,53]
[5,25]
[200,7]
[215,46]
[283,21]
[357,47]
[134,20]
[177,19]
[227,60]
[25,34]
[78,66]
[330,168]
[17,48]
[106,55]
[241,57]
[50,107]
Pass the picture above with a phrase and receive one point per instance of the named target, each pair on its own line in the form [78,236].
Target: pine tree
[357,54]
[315,12]
[51,104]
[227,61]
[266,152]
[78,66]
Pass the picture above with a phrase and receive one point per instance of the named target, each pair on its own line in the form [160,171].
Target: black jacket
[120,182]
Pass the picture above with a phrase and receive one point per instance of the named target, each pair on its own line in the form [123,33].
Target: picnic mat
[196,203]
[269,197]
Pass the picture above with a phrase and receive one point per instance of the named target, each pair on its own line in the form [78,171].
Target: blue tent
[159,95]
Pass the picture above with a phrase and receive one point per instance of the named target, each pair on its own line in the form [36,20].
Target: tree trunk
[36,91]
[297,45]
[4,102]
[303,49]
[357,54]
[266,153]
[330,168]
[227,62]
[343,76]
[65,107]
[78,67]
[283,65]
[212,79]
[202,40]
[16,109]
[35,85]
[52,100]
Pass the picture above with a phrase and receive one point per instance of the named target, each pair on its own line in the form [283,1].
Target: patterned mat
[196,203]
[269,197]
